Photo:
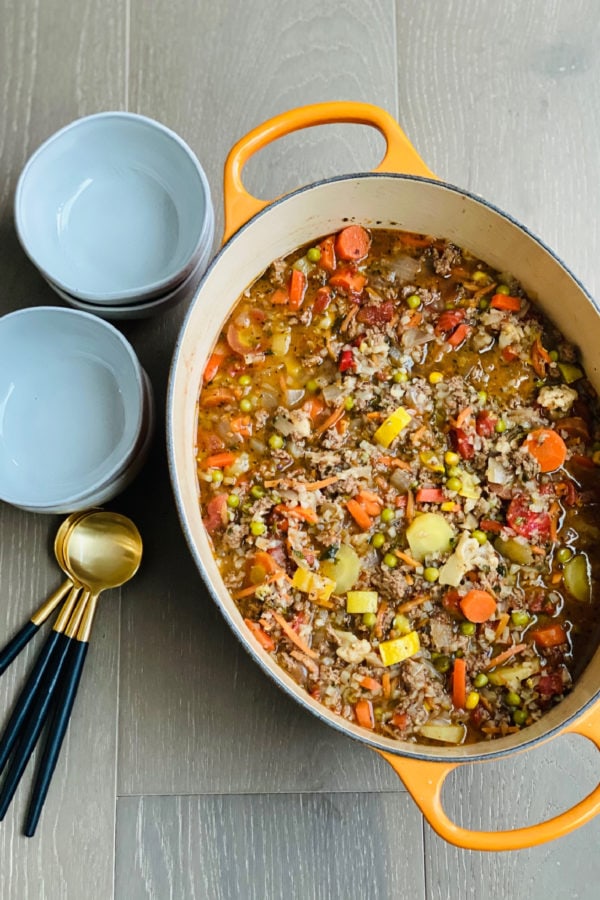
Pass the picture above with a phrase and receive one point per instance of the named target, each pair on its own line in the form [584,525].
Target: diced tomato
[485,423]
[322,299]
[461,443]
[448,321]
[430,495]
[525,521]
[509,354]
[550,684]
[459,335]
[216,513]
[375,314]
[491,525]
[451,602]
[346,361]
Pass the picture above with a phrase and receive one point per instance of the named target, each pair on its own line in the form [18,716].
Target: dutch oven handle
[400,155]
[424,781]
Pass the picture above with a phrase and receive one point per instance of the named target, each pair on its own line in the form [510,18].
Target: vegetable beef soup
[399,468]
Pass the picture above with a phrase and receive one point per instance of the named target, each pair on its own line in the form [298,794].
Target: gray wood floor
[185,773]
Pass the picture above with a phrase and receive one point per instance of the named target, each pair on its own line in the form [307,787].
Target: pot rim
[335,721]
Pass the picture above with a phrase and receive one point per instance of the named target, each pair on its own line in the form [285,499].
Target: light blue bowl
[114,207]
[72,399]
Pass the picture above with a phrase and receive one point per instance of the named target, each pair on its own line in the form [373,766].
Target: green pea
[391,560]
[387,515]
[482,396]
[257,491]
[449,304]
[413,302]
[369,619]
[378,540]
[520,716]
[257,528]
[349,403]
[442,664]
[480,277]
[454,471]
[314,254]
[431,574]
[564,554]
[245,404]
[500,426]
[512,699]
[400,376]
[480,680]
[217,476]
[312,385]
[503,289]
[454,483]
[244,380]
[401,624]
[484,303]
[233,501]
[520,618]
[480,536]
[275,442]
[451,458]
[467,628]
[553,355]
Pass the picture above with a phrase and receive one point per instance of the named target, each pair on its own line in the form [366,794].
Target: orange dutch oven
[400,193]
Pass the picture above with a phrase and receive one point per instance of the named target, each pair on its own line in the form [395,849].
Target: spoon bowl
[102,550]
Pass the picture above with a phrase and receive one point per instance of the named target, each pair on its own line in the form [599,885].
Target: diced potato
[429,533]
[280,343]
[344,569]
[512,676]
[577,578]
[392,426]
[449,734]
[310,583]
[362,601]
[515,551]
[399,649]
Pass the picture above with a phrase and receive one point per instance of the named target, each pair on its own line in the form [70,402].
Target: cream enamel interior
[378,201]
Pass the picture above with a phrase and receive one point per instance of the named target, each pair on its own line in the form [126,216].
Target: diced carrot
[547,446]
[264,559]
[219,460]
[478,606]
[280,297]
[359,514]
[370,502]
[370,684]
[297,289]
[491,525]
[327,260]
[430,495]
[298,512]
[352,243]
[463,416]
[349,280]
[459,335]
[242,425]
[261,636]
[506,303]
[549,636]
[400,720]
[214,362]
[459,683]
[364,714]
[502,657]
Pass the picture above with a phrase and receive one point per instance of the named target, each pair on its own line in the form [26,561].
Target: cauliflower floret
[559,397]
[294,422]
[469,554]
[352,650]
[511,334]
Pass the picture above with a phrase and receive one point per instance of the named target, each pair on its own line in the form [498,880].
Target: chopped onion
[405,267]
[333,393]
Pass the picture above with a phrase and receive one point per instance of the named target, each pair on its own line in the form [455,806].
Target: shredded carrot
[407,559]
[264,559]
[418,434]
[539,551]
[335,416]
[459,683]
[550,636]
[348,318]
[554,513]
[393,462]
[242,425]
[298,512]
[375,415]
[247,592]
[502,657]
[463,416]
[386,685]
[293,636]
[502,623]
[370,684]
[381,611]
[410,506]
[359,514]
[314,485]
[265,640]
[409,579]
[412,604]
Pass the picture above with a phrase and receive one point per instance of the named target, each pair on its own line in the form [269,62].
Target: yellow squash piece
[362,601]
[392,426]
[449,734]
[429,533]
[344,569]
[399,649]
[317,586]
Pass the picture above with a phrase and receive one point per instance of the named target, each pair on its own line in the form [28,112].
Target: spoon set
[96,550]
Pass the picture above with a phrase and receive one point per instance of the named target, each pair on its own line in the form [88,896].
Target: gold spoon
[101,551]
